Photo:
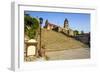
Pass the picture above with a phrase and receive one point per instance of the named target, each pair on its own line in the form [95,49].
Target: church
[65,29]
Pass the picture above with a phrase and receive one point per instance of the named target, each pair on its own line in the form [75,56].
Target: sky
[77,21]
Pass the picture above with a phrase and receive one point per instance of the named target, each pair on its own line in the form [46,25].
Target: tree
[31,26]
[82,32]
[28,20]
[46,22]
[35,24]
[76,32]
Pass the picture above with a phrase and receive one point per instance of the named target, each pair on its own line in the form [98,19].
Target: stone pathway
[83,53]
[55,41]
[69,54]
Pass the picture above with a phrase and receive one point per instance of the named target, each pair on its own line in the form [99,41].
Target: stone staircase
[56,41]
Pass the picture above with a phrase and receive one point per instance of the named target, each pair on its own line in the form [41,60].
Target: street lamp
[41,21]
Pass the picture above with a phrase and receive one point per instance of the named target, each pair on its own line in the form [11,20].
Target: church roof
[50,24]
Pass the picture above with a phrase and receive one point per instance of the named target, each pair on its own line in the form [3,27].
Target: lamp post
[41,21]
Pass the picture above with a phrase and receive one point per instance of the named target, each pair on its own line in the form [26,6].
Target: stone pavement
[82,53]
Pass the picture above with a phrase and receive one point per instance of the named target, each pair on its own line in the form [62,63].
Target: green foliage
[28,20]
[31,34]
[35,25]
[82,32]
[76,32]
[46,22]
[31,26]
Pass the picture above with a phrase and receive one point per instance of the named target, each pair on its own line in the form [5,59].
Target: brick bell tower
[66,23]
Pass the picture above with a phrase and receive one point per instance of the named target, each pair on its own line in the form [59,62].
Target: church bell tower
[66,24]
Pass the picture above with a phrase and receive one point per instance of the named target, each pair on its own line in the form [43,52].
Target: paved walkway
[69,54]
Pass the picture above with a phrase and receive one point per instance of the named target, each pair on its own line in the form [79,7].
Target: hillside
[57,41]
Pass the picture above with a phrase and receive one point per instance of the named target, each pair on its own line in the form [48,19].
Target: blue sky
[77,21]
